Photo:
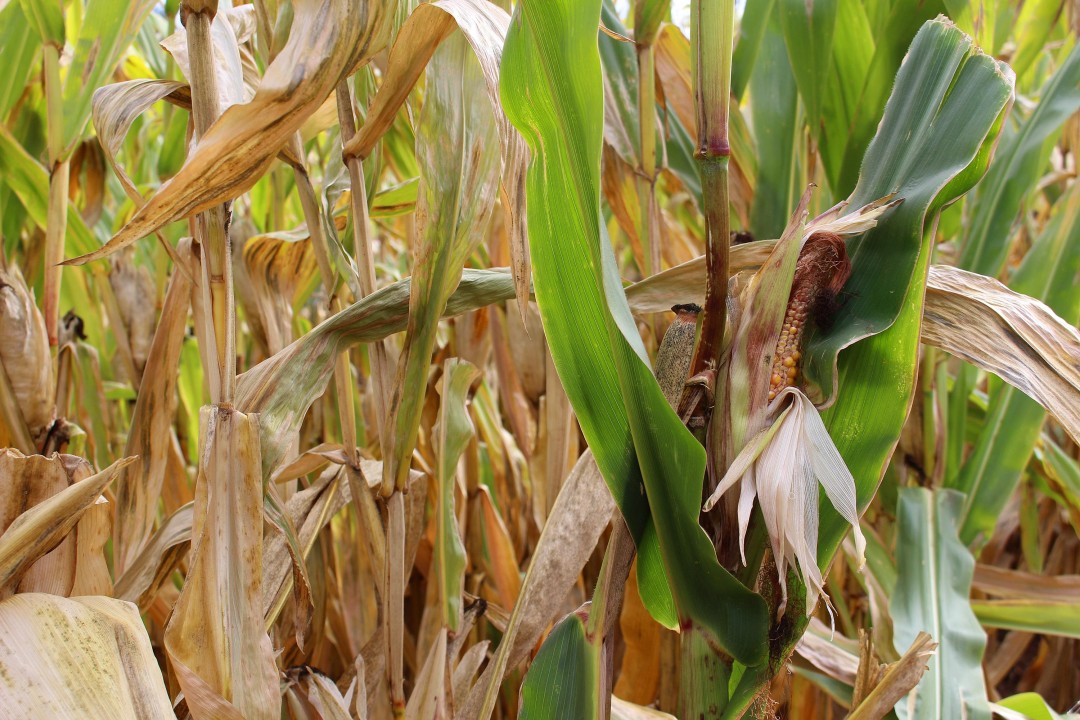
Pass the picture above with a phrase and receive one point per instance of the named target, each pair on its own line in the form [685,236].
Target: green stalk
[211,228]
[56,222]
[705,669]
[712,25]
[646,182]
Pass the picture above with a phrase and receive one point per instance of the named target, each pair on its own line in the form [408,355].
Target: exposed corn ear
[822,270]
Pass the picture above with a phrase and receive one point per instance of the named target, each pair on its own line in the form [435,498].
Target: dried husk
[24,353]
[42,499]
[215,639]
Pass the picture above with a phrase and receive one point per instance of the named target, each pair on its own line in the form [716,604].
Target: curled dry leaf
[159,557]
[86,657]
[328,40]
[24,354]
[1014,336]
[38,529]
[26,482]
[228,30]
[276,268]
[115,108]
[901,677]
[136,299]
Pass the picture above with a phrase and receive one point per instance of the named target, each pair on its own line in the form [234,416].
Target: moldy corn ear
[822,270]
[24,353]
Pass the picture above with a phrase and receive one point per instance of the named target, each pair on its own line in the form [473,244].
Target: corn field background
[542,359]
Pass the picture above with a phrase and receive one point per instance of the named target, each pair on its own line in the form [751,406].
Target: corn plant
[546,359]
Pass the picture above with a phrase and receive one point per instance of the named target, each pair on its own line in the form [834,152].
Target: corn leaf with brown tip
[484,25]
[458,182]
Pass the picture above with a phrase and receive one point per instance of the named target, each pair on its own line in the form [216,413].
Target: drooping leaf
[1049,345]
[552,91]
[484,25]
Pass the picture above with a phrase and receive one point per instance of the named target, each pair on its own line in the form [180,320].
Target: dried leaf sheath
[215,638]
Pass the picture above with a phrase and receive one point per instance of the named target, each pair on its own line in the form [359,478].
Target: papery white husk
[782,466]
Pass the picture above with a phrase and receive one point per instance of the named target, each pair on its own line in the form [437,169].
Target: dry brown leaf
[623,710]
[136,300]
[832,655]
[1014,336]
[229,28]
[639,676]
[24,356]
[39,528]
[115,108]
[215,639]
[150,437]
[1005,583]
[428,699]
[87,657]
[27,482]
[159,557]
[275,269]
[327,41]
[501,563]
[581,512]
[901,677]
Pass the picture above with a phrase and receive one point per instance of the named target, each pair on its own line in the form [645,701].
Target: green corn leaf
[19,46]
[932,146]
[1046,617]
[552,91]
[459,181]
[774,118]
[47,18]
[452,433]
[808,29]
[107,30]
[1016,169]
[751,30]
[564,678]
[932,589]
[1031,706]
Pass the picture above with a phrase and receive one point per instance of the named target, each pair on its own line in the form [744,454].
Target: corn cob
[821,272]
